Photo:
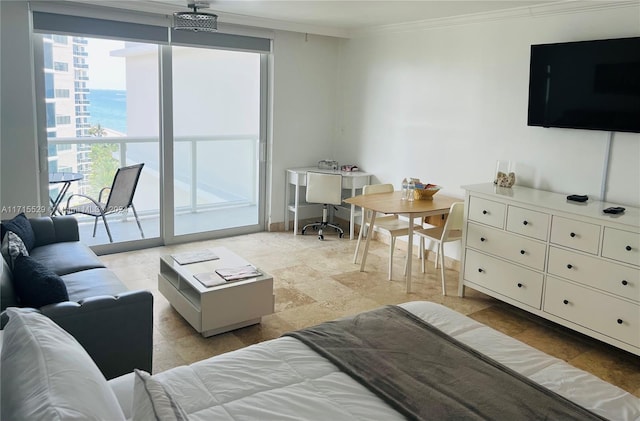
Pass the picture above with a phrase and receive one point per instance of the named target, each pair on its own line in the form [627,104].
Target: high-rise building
[67,102]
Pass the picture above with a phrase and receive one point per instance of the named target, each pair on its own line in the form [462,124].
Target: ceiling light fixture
[196,21]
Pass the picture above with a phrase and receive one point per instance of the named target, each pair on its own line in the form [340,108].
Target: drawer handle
[628,248]
[483,239]
[525,222]
[522,252]
[565,301]
[484,212]
[624,282]
[620,321]
[520,285]
[573,234]
[569,266]
[480,270]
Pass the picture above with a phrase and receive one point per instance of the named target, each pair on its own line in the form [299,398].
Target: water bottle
[405,189]
[410,189]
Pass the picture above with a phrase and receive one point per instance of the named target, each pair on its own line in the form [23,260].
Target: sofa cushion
[68,257]
[36,285]
[46,374]
[22,227]
[93,283]
[12,247]
[56,229]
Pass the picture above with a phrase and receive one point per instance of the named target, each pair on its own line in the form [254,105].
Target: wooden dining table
[392,203]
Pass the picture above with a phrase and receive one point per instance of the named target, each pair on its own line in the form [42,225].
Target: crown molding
[558,8]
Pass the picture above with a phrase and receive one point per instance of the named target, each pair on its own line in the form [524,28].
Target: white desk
[298,177]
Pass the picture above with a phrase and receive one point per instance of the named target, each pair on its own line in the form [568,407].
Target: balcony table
[64,178]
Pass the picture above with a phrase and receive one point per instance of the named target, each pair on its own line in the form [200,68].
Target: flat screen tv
[586,85]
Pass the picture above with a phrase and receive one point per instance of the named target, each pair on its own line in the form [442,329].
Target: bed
[284,379]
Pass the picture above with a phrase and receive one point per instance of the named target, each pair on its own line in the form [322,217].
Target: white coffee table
[221,308]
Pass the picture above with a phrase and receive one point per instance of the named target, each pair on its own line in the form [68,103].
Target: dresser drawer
[620,245]
[527,222]
[487,211]
[607,276]
[607,315]
[513,281]
[508,246]
[575,234]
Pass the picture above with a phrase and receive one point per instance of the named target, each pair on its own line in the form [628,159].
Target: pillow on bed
[46,374]
[151,401]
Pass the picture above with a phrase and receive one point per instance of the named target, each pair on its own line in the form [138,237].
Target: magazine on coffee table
[194,256]
[209,279]
[238,272]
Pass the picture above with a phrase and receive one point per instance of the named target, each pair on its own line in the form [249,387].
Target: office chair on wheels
[326,189]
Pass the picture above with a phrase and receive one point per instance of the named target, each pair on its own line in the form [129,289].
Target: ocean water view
[108,108]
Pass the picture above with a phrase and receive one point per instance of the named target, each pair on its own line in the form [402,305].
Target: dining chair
[120,198]
[390,225]
[326,189]
[450,231]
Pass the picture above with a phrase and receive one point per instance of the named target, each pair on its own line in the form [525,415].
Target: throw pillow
[12,247]
[36,285]
[152,401]
[47,375]
[21,226]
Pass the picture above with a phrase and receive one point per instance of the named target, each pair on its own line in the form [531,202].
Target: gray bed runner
[427,375]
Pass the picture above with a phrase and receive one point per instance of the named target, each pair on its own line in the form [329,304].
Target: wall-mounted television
[586,85]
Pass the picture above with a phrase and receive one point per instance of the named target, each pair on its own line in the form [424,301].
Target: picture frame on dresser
[567,262]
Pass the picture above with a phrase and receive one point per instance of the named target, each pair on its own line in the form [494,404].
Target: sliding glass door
[189,106]
[216,129]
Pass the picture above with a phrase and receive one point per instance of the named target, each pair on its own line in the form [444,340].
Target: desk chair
[326,189]
[451,231]
[120,198]
[390,225]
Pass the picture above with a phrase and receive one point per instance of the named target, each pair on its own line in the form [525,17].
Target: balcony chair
[120,199]
[390,225]
[451,231]
[326,189]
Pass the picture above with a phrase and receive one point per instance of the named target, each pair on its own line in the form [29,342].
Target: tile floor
[315,281]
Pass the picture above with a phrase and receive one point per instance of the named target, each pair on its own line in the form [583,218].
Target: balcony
[215,186]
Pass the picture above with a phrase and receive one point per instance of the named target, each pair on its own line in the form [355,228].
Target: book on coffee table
[238,272]
[194,256]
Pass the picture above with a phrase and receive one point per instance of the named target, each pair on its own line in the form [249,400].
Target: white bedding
[283,379]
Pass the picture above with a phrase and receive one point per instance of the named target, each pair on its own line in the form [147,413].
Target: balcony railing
[209,171]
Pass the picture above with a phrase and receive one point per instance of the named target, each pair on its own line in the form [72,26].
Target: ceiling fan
[195,20]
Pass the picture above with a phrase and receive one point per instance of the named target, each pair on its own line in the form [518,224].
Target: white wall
[305,83]
[20,177]
[444,104]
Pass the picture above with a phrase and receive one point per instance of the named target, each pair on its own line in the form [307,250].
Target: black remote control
[578,197]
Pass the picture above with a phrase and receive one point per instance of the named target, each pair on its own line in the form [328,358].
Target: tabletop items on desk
[349,168]
[327,164]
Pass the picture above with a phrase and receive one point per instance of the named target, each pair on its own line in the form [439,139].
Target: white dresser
[566,261]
